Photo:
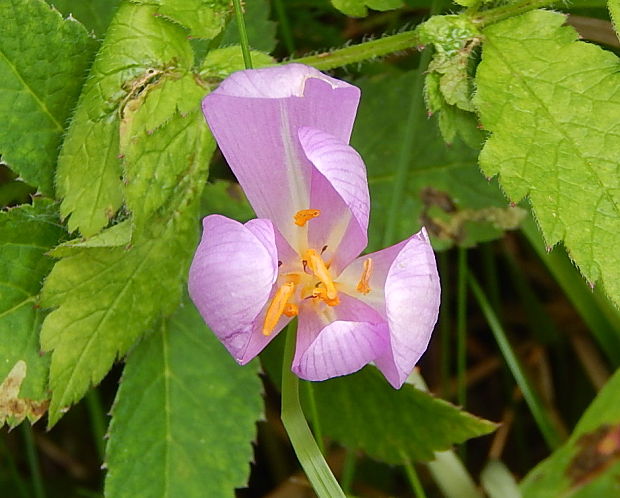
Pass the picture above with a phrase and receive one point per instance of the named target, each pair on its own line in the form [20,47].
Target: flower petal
[339,189]
[231,278]
[255,115]
[405,289]
[356,337]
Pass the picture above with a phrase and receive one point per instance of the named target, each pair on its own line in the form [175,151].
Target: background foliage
[502,136]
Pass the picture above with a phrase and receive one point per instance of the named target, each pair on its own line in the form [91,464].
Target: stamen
[305,215]
[321,293]
[277,307]
[363,286]
[317,265]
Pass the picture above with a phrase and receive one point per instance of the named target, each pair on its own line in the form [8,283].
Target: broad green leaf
[185,415]
[43,61]
[94,14]
[26,233]
[445,190]
[221,62]
[203,18]
[139,51]
[391,425]
[588,464]
[158,162]
[106,298]
[115,236]
[552,105]
[359,8]
[260,29]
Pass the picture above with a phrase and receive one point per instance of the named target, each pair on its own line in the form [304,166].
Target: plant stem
[348,471]
[550,433]
[415,117]
[318,472]
[97,420]
[243,35]
[461,328]
[414,480]
[285,27]
[33,461]
[491,16]
[445,328]
[363,51]
[314,418]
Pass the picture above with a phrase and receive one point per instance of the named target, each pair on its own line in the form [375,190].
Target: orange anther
[363,286]
[305,215]
[277,307]
[317,265]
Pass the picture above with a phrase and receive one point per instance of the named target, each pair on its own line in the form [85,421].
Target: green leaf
[588,464]
[94,14]
[26,233]
[228,199]
[552,106]
[359,8]
[185,415]
[43,60]
[260,29]
[614,12]
[222,62]
[203,18]
[391,425]
[126,68]
[445,190]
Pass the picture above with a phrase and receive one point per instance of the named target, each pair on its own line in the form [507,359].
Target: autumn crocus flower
[284,132]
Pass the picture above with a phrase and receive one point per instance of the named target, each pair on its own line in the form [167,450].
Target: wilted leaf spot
[599,449]
[14,409]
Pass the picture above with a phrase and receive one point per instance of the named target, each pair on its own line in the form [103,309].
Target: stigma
[315,262]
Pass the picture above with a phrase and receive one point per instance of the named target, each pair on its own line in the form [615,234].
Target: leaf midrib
[25,85]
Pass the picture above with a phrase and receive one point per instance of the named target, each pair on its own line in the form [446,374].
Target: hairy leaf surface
[139,50]
[95,15]
[203,18]
[43,62]
[185,415]
[552,105]
[26,233]
[588,464]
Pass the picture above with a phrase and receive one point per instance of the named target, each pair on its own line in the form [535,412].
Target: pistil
[315,262]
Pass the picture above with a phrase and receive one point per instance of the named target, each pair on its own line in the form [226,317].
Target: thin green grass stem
[314,417]
[348,471]
[33,461]
[243,35]
[284,26]
[445,328]
[550,433]
[10,463]
[461,328]
[416,118]
[414,480]
[318,472]
[97,420]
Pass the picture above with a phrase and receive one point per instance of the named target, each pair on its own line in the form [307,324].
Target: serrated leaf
[156,164]
[26,233]
[115,236]
[140,49]
[443,182]
[95,15]
[552,105]
[359,8]
[106,298]
[185,416]
[260,29]
[614,12]
[588,464]
[43,61]
[202,18]
[13,407]
[392,425]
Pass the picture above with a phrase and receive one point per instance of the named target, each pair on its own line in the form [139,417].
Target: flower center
[312,280]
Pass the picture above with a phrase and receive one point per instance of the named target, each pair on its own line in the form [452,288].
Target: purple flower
[285,131]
